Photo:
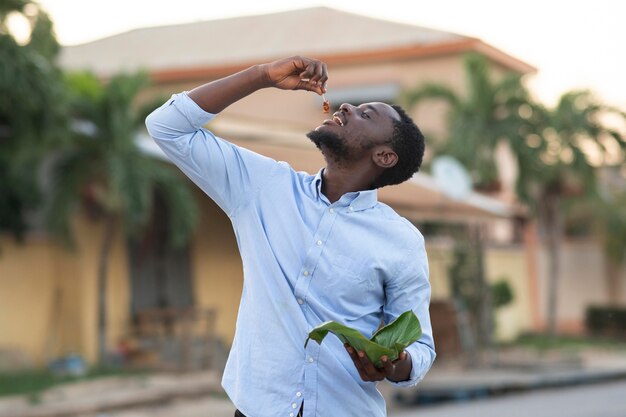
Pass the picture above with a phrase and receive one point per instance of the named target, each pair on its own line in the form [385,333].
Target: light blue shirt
[305,261]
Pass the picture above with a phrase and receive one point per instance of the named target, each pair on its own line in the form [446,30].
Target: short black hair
[407,141]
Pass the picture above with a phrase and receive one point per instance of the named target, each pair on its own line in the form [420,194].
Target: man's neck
[338,181]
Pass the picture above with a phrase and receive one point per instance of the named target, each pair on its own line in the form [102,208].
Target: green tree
[558,154]
[470,289]
[32,112]
[553,147]
[488,112]
[103,172]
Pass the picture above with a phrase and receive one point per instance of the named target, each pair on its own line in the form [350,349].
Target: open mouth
[334,121]
[337,120]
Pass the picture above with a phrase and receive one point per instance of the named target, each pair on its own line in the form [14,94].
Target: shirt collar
[358,200]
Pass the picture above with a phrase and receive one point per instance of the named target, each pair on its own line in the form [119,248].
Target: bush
[501,293]
[606,321]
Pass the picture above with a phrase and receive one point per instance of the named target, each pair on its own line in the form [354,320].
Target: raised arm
[229,174]
[286,74]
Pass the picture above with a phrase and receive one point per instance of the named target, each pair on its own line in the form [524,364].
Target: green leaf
[390,340]
[403,331]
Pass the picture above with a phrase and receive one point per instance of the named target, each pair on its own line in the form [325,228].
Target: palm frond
[181,205]
[70,174]
[430,91]
[133,186]
[480,89]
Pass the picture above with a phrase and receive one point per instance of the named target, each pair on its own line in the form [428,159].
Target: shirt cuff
[418,372]
[190,109]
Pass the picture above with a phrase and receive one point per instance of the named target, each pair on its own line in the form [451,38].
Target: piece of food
[390,340]
[326,104]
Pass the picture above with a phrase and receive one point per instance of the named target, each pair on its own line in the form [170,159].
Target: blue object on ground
[69,365]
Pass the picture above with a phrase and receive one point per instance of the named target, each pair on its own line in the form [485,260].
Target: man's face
[354,130]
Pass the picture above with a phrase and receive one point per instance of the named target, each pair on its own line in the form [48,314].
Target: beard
[331,145]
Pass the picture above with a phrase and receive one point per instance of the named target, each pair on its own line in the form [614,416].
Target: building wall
[507,263]
[440,258]
[217,269]
[48,294]
[69,326]
[27,279]
[82,289]
[582,282]
[510,264]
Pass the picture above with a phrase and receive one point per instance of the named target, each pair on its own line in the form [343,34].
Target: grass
[32,383]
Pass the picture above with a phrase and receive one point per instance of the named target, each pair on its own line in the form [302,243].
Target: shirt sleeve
[409,289]
[227,173]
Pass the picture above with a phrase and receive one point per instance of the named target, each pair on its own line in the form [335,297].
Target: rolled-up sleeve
[227,173]
[409,289]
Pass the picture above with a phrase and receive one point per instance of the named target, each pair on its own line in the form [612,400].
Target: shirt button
[311,359]
[319,243]
[290,414]
[298,394]
[332,210]
[294,405]
[306,273]
[350,208]
[300,301]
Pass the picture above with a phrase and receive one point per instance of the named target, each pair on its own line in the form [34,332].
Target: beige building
[48,296]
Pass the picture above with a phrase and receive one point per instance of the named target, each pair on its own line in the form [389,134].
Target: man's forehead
[383,109]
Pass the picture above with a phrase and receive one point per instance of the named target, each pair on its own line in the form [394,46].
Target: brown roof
[224,45]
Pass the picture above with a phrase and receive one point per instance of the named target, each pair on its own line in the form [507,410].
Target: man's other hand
[398,370]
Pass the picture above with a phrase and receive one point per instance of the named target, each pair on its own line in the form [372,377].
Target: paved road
[207,407]
[598,400]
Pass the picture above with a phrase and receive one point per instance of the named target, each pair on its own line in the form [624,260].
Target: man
[314,247]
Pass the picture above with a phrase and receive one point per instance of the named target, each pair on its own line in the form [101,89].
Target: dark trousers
[240,414]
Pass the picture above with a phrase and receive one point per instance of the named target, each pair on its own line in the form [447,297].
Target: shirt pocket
[353,285]
[353,269]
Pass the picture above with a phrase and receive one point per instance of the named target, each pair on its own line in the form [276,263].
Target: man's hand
[398,370]
[297,73]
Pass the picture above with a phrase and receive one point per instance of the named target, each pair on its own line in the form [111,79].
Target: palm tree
[489,112]
[104,173]
[551,146]
[32,112]
[558,161]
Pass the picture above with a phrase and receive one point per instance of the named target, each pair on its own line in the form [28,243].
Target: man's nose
[346,108]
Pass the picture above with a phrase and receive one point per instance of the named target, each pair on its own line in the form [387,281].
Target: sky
[574,44]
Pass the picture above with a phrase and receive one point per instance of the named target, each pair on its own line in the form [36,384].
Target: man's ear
[385,157]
